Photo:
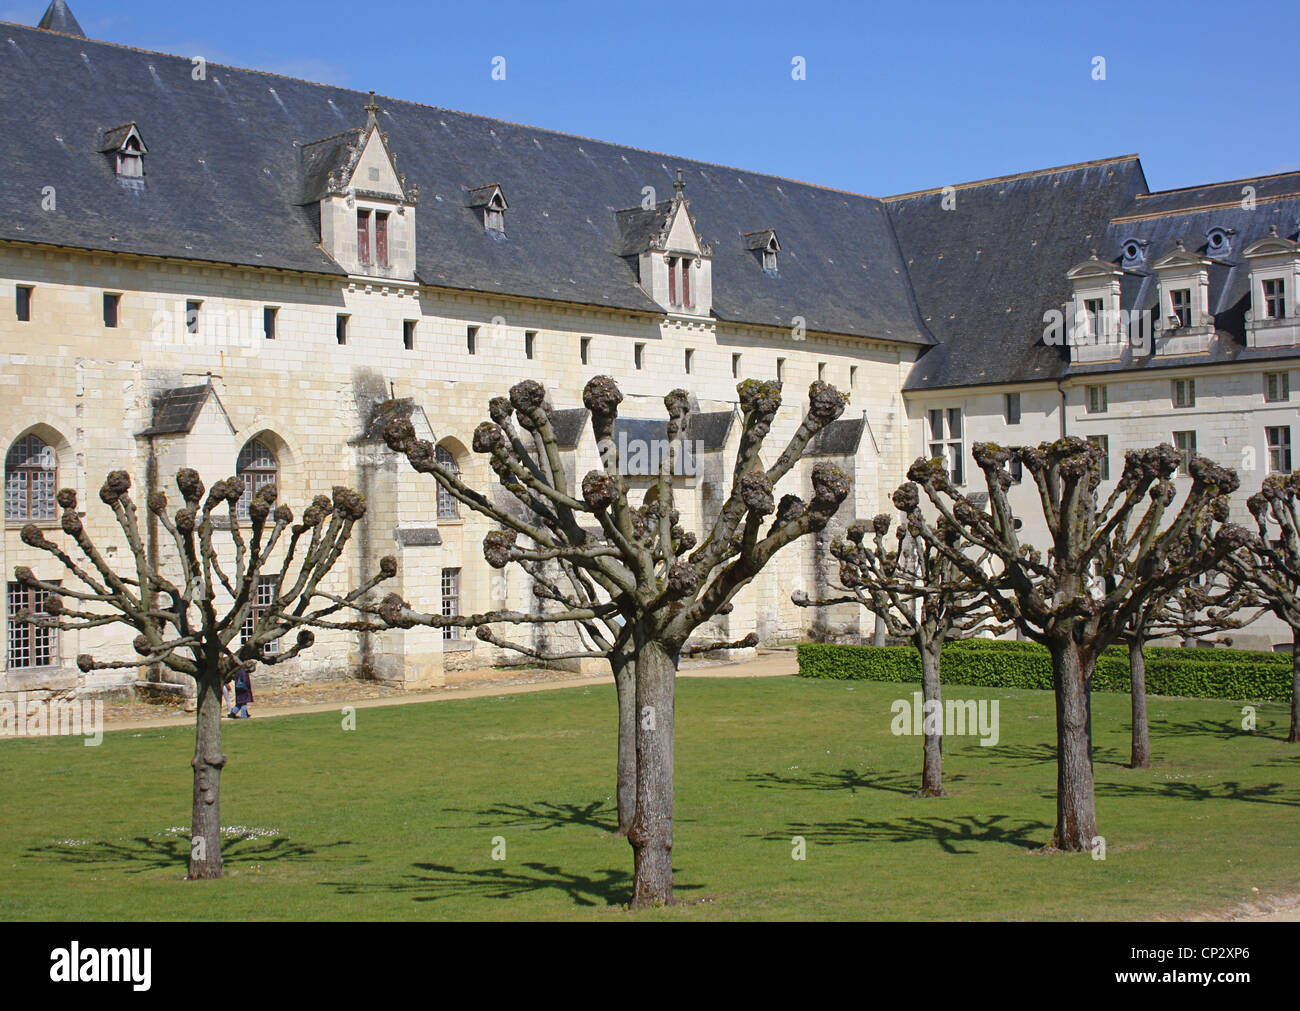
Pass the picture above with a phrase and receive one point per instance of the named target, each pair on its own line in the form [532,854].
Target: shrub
[996,663]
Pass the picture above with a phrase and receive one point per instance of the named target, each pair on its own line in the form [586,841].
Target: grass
[397,819]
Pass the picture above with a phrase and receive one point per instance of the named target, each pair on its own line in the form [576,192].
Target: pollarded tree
[1270,564]
[1190,610]
[629,578]
[198,619]
[1106,559]
[921,595]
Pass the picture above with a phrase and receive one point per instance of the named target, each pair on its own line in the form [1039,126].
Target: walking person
[243,694]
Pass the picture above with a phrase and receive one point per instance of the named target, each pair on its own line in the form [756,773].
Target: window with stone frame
[1277,387]
[363,237]
[1180,306]
[1097,400]
[263,598]
[1274,298]
[448,504]
[946,441]
[450,600]
[1279,448]
[1102,442]
[381,238]
[1185,443]
[1012,408]
[1184,392]
[679,282]
[1093,309]
[258,467]
[29,645]
[31,480]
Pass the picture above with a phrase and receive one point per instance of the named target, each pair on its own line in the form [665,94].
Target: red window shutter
[672,280]
[363,236]
[381,239]
[686,282]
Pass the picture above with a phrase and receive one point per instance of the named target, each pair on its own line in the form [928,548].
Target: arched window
[30,476]
[258,467]
[448,506]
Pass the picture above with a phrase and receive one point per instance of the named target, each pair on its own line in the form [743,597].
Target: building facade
[241,272]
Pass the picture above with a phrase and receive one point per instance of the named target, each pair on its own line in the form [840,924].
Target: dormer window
[1274,298]
[1218,242]
[491,202]
[381,238]
[1186,325]
[765,245]
[127,149]
[1133,254]
[1180,307]
[363,238]
[364,206]
[679,282]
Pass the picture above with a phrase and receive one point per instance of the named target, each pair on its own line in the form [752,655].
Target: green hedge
[996,663]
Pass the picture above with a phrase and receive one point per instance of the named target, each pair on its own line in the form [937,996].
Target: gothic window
[30,476]
[258,467]
[448,505]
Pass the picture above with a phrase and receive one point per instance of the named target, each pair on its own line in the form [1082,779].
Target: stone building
[236,271]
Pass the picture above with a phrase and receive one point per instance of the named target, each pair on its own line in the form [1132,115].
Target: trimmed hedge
[997,663]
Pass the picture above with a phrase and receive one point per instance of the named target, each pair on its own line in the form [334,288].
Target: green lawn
[397,819]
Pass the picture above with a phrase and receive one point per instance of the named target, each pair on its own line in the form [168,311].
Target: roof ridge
[1014,176]
[459,112]
[1225,182]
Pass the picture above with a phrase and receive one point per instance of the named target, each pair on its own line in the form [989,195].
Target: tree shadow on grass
[433,882]
[1045,754]
[1227,730]
[851,780]
[172,852]
[1285,794]
[546,815]
[947,833]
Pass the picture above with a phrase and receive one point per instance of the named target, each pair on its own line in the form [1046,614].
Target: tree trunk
[1076,812]
[1294,736]
[931,698]
[205,825]
[878,637]
[1137,665]
[651,833]
[625,687]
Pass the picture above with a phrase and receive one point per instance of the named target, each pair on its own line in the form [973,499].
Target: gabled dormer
[765,247]
[126,148]
[1094,324]
[1272,319]
[366,209]
[1183,322]
[491,204]
[674,267]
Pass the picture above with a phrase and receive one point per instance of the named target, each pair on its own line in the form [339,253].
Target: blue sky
[897,96]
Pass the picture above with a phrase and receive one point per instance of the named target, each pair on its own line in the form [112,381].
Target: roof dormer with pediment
[366,209]
[673,265]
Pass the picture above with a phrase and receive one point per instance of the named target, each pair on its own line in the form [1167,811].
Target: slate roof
[839,438]
[224,182]
[323,157]
[568,425]
[986,271]
[175,411]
